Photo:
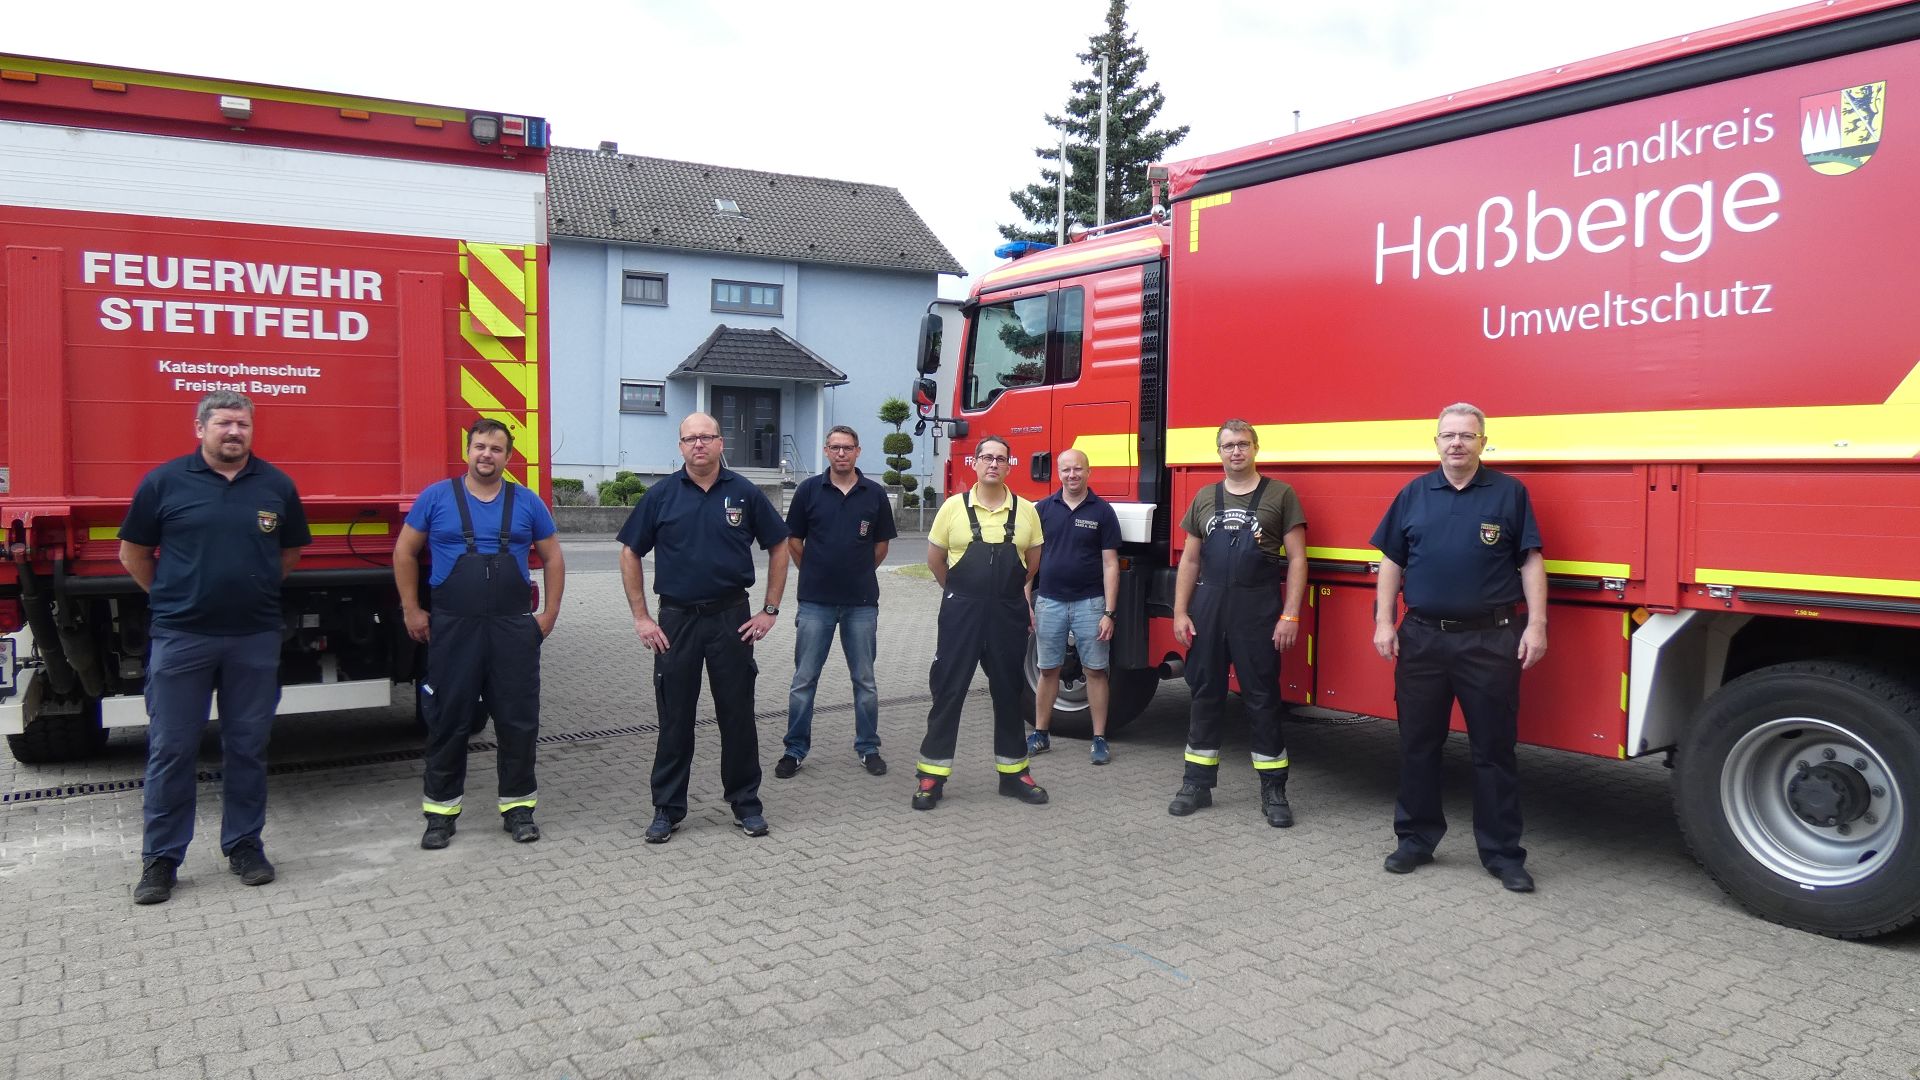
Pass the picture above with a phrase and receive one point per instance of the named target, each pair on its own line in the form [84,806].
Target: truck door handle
[1042,469]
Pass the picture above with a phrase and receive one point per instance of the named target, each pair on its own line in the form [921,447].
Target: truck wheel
[1132,690]
[50,739]
[1798,789]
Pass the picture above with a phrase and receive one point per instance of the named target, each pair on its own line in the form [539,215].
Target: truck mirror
[931,328]
[956,429]
[925,396]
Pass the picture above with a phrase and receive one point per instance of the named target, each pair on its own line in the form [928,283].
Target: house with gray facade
[781,304]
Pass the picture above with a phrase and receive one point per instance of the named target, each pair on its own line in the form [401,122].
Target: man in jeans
[210,536]
[838,528]
[1078,586]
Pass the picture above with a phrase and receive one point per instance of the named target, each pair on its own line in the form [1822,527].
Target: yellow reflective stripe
[1574,568]
[1011,766]
[1193,219]
[935,770]
[527,802]
[1623,691]
[1824,432]
[1812,582]
[443,809]
[217,86]
[1343,554]
[488,346]
[1108,451]
[1203,759]
[323,528]
[1263,765]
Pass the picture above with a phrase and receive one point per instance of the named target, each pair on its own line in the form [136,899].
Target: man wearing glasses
[838,527]
[1463,542]
[1244,535]
[702,523]
[983,549]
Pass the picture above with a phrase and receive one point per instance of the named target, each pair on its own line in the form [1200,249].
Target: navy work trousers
[184,672]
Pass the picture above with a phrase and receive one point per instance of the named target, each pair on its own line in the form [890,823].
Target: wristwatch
[1108,614]
[770,609]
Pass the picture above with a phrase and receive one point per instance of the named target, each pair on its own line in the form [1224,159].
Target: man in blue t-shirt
[1078,586]
[838,528]
[483,641]
[210,536]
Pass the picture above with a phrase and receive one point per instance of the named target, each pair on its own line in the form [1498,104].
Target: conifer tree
[1133,142]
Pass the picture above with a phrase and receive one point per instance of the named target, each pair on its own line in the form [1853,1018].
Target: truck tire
[48,740]
[1132,692]
[1798,789]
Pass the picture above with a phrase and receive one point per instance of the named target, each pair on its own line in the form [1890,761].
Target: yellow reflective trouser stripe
[1269,763]
[1203,757]
[508,804]
[448,809]
[1009,765]
[932,768]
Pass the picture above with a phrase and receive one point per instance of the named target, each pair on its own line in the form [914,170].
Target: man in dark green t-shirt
[1245,534]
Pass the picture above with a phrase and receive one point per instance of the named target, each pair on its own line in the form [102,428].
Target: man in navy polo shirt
[210,536]
[838,527]
[701,524]
[1463,542]
[1079,584]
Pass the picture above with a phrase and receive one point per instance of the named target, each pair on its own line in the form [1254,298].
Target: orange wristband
[1289,618]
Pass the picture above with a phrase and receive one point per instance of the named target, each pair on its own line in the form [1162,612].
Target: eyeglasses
[832,449]
[1235,447]
[991,459]
[1459,436]
[698,440]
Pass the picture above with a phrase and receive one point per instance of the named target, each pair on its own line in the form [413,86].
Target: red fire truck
[370,272]
[1673,278]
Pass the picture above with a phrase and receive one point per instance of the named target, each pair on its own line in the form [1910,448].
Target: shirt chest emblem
[267,520]
[1489,533]
[735,514]
[865,527]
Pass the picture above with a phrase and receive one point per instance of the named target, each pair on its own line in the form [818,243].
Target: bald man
[1078,585]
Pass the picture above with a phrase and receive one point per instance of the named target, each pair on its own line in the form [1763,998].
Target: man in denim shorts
[1078,585]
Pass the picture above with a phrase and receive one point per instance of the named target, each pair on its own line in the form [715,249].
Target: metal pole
[1296,121]
[1061,218]
[1100,175]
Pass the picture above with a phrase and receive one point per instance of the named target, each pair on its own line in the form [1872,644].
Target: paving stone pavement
[1093,936]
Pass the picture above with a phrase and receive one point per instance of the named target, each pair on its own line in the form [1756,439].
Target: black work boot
[519,822]
[157,878]
[927,795]
[1190,797]
[439,831]
[1273,798]
[1020,786]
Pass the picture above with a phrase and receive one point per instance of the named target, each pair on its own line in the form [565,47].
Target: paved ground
[1096,935]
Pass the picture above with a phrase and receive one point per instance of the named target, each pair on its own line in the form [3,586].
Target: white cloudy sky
[944,102]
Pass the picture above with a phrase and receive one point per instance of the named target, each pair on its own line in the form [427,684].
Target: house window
[639,288]
[643,397]
[746,296]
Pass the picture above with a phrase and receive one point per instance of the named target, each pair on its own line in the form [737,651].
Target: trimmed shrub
[624,489]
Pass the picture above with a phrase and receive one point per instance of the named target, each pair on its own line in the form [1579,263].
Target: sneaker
[875,764]
[786,766]
[1099,753]
[156,881]
[1038,743]
[752,825]
[1020,786]
[1190,797]
[927,796]
[249,860]
[662,829]
[519,822]
[439,831]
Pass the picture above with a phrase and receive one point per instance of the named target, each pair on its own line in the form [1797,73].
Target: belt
[1492,620]
[709,607]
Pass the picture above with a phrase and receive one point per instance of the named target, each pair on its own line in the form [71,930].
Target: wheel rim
[1073,679]
[1769,811]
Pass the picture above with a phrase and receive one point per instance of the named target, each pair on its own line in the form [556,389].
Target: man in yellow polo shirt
[983,549]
